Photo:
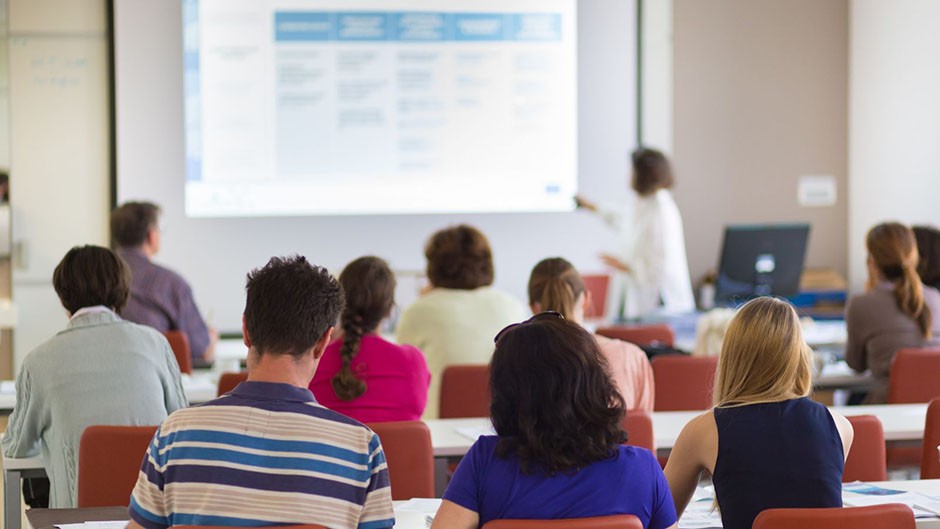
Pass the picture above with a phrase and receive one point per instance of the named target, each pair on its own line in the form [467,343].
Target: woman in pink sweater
[362,375]
[555,285]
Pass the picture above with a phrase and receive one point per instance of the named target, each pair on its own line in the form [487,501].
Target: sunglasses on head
[544,315]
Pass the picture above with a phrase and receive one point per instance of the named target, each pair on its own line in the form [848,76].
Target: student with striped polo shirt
[267,453]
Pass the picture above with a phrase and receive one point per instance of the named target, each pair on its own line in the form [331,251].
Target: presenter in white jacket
[651,272]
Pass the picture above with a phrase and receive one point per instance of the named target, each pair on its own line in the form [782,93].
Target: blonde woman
[765,443]
[556,285]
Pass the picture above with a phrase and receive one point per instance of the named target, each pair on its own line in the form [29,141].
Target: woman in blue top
[765,443]
[558,451]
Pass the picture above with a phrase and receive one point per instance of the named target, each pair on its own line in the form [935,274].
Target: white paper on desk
[422,505]
[474,432]
[8,387]
[907,498]
[700,515]
[118,524]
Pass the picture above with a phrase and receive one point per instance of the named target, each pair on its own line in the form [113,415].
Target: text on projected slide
[349,109]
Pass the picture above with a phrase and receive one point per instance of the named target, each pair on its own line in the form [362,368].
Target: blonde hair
[893,249]
[554,284]
[764,357]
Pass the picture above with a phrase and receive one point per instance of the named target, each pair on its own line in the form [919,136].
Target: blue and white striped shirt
[264,454]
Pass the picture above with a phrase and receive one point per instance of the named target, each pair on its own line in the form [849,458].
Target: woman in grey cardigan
[99,370]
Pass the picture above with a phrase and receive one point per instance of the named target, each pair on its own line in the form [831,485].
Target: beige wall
[761,98]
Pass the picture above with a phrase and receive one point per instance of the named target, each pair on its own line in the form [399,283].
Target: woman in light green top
[99,370]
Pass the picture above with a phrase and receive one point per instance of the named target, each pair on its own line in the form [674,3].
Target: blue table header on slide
[371,26]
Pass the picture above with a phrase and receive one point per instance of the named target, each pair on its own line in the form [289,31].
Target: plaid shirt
[161,298]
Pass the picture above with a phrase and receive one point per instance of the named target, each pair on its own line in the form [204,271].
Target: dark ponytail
[369,285]
[555,285]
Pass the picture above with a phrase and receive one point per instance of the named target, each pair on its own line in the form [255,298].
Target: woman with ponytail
[555,285]
[896,310]
[361,375]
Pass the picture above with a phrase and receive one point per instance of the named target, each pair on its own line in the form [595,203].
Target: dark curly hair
[290,305]
[459,257]
[651,171]
[369,285]
[554,405]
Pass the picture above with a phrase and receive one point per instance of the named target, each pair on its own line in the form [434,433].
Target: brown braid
[370,293]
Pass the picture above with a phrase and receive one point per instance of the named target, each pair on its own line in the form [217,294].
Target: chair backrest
[109,459]
[597,285]
[465,391]
[642,335]
[930,460]
[888,516]
[683,382]
[179,342]
[914,376]
[228,381]
[866,460]
[639,427]
[620,521]
[410,458]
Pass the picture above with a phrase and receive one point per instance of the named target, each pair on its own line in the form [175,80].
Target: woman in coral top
[362,375]
[555,285]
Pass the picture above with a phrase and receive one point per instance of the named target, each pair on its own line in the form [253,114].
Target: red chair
[866,460]
[228,381]
[658,334]
[410,458]
[621,521]
[915,377]
[109,459]
[930,458]
[596,285]
[179,342]
[684,383]
[639,427]
[888,516]
[465,391]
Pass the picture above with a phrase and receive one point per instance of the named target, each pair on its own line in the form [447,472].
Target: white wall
[215,254]
[58,151]
[894,119]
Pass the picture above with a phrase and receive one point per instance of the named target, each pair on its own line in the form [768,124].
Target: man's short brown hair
[132,222]
[290,305]
[91,275]
[459,257]
[651,171]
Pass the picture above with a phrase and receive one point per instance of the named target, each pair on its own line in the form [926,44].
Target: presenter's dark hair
[369,286]
[290,305]
[651,171]
[459,257]
[89,276]
[554,405]
[928,246]
[131,222]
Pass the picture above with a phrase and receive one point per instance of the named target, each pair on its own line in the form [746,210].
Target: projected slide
[300,107]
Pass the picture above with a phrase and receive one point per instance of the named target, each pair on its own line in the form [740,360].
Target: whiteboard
[215,254]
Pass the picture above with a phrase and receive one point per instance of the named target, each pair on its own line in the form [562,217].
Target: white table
[901,422]
[415,519]
[200,387]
